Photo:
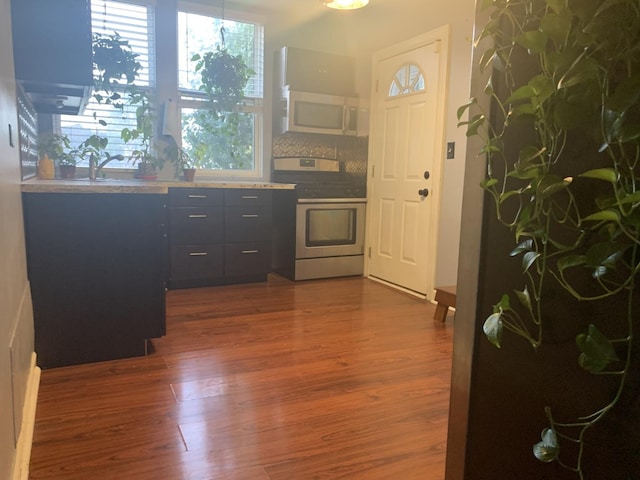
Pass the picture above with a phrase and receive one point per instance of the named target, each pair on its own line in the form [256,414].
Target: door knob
[424,192]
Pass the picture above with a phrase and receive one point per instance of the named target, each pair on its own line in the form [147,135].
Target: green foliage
[115,65]
[224,78]
[576,222]
[94,149]
[547,449]
[218,141]
[57,148]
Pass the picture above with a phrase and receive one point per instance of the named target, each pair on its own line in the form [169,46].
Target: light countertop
[137,186]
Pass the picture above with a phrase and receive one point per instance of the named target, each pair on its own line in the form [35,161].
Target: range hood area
[314,92]
[52,53]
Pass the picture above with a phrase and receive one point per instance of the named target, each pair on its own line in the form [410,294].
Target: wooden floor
[324,379]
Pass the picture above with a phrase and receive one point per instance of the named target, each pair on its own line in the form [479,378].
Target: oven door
[329,227]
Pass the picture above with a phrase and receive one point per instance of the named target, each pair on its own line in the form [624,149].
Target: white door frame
[440,35]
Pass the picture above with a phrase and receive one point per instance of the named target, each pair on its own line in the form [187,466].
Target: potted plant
[52,148]
[561,145]
[143,156]
[182,161]
[116,65]
[224,77]
[67,164]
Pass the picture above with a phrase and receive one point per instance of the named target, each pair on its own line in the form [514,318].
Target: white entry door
[406,151]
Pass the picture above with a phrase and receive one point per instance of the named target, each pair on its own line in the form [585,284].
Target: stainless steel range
[320,227]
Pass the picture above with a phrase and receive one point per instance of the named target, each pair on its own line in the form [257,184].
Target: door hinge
[373,171]
[369,252]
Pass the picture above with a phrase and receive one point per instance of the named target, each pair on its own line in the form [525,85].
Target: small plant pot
[67,171]
[189,174]
[146,171]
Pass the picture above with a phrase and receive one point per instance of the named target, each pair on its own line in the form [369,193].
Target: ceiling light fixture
[345,4]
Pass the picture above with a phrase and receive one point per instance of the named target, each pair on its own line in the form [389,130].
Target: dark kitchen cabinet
[313,71]
[219,236]
[196,232]
[53,53]
[97,269]
[248,233]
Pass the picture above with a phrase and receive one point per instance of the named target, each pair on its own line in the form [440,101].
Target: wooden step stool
[446,297]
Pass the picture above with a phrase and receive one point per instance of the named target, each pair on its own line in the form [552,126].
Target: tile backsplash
[352,152]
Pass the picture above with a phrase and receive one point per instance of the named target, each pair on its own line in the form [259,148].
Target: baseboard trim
[395,286]
[23,449]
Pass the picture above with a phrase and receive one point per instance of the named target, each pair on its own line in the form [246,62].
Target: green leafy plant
[224,77]
[575,220]
[57,147]
[94,149]
[115,65]
[143,133]
[179,157]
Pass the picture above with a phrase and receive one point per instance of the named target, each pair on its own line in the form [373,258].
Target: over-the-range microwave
[310,112]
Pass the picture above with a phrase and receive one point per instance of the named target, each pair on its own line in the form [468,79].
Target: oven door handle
[332,200]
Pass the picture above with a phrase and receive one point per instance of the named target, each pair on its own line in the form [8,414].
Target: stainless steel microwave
[309,112]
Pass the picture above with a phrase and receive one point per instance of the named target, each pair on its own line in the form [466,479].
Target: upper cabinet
[317,72]
[52,53]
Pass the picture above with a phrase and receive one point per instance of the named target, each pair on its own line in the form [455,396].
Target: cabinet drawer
[195,197]
[252,258]
[247,224]
[196,261]
[242,196]
[198,225]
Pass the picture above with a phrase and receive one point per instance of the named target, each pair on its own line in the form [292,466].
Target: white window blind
[134,22]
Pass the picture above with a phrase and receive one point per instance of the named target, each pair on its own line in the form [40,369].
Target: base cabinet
[97,269]
[219,236]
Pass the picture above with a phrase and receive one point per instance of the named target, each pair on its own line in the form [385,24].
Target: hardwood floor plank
[322,379]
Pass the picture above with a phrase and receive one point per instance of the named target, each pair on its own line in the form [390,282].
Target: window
[408,79]
[230,143]
[134,23]
[231,146]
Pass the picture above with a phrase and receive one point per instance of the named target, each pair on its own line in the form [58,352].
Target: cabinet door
[243,197]
[97,266]
[196,225]
[196,261]
[247,259]
[195,197]
[320,72]
[247,224]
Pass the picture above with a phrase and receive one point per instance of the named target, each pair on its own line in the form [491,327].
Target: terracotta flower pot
[189,173]
[67,171]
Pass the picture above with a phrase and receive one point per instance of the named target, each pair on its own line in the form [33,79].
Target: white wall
[16,318]
[382,23]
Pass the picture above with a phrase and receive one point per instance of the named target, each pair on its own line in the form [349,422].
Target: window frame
[196,99]
[147,84]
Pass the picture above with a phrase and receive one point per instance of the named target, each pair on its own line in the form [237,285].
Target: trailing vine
[575,221]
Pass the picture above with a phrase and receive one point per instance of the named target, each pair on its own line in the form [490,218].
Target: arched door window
[408,79]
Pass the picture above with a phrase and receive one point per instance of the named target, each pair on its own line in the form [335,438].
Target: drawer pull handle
[197,196]
[249,197]
[198,254]
[249,215]
[245,252]
[197,216]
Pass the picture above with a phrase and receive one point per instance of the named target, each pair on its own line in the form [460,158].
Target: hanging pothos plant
[115,65]
[575,220]
[224,77]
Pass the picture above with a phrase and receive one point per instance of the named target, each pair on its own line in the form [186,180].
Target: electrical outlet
[451,150]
